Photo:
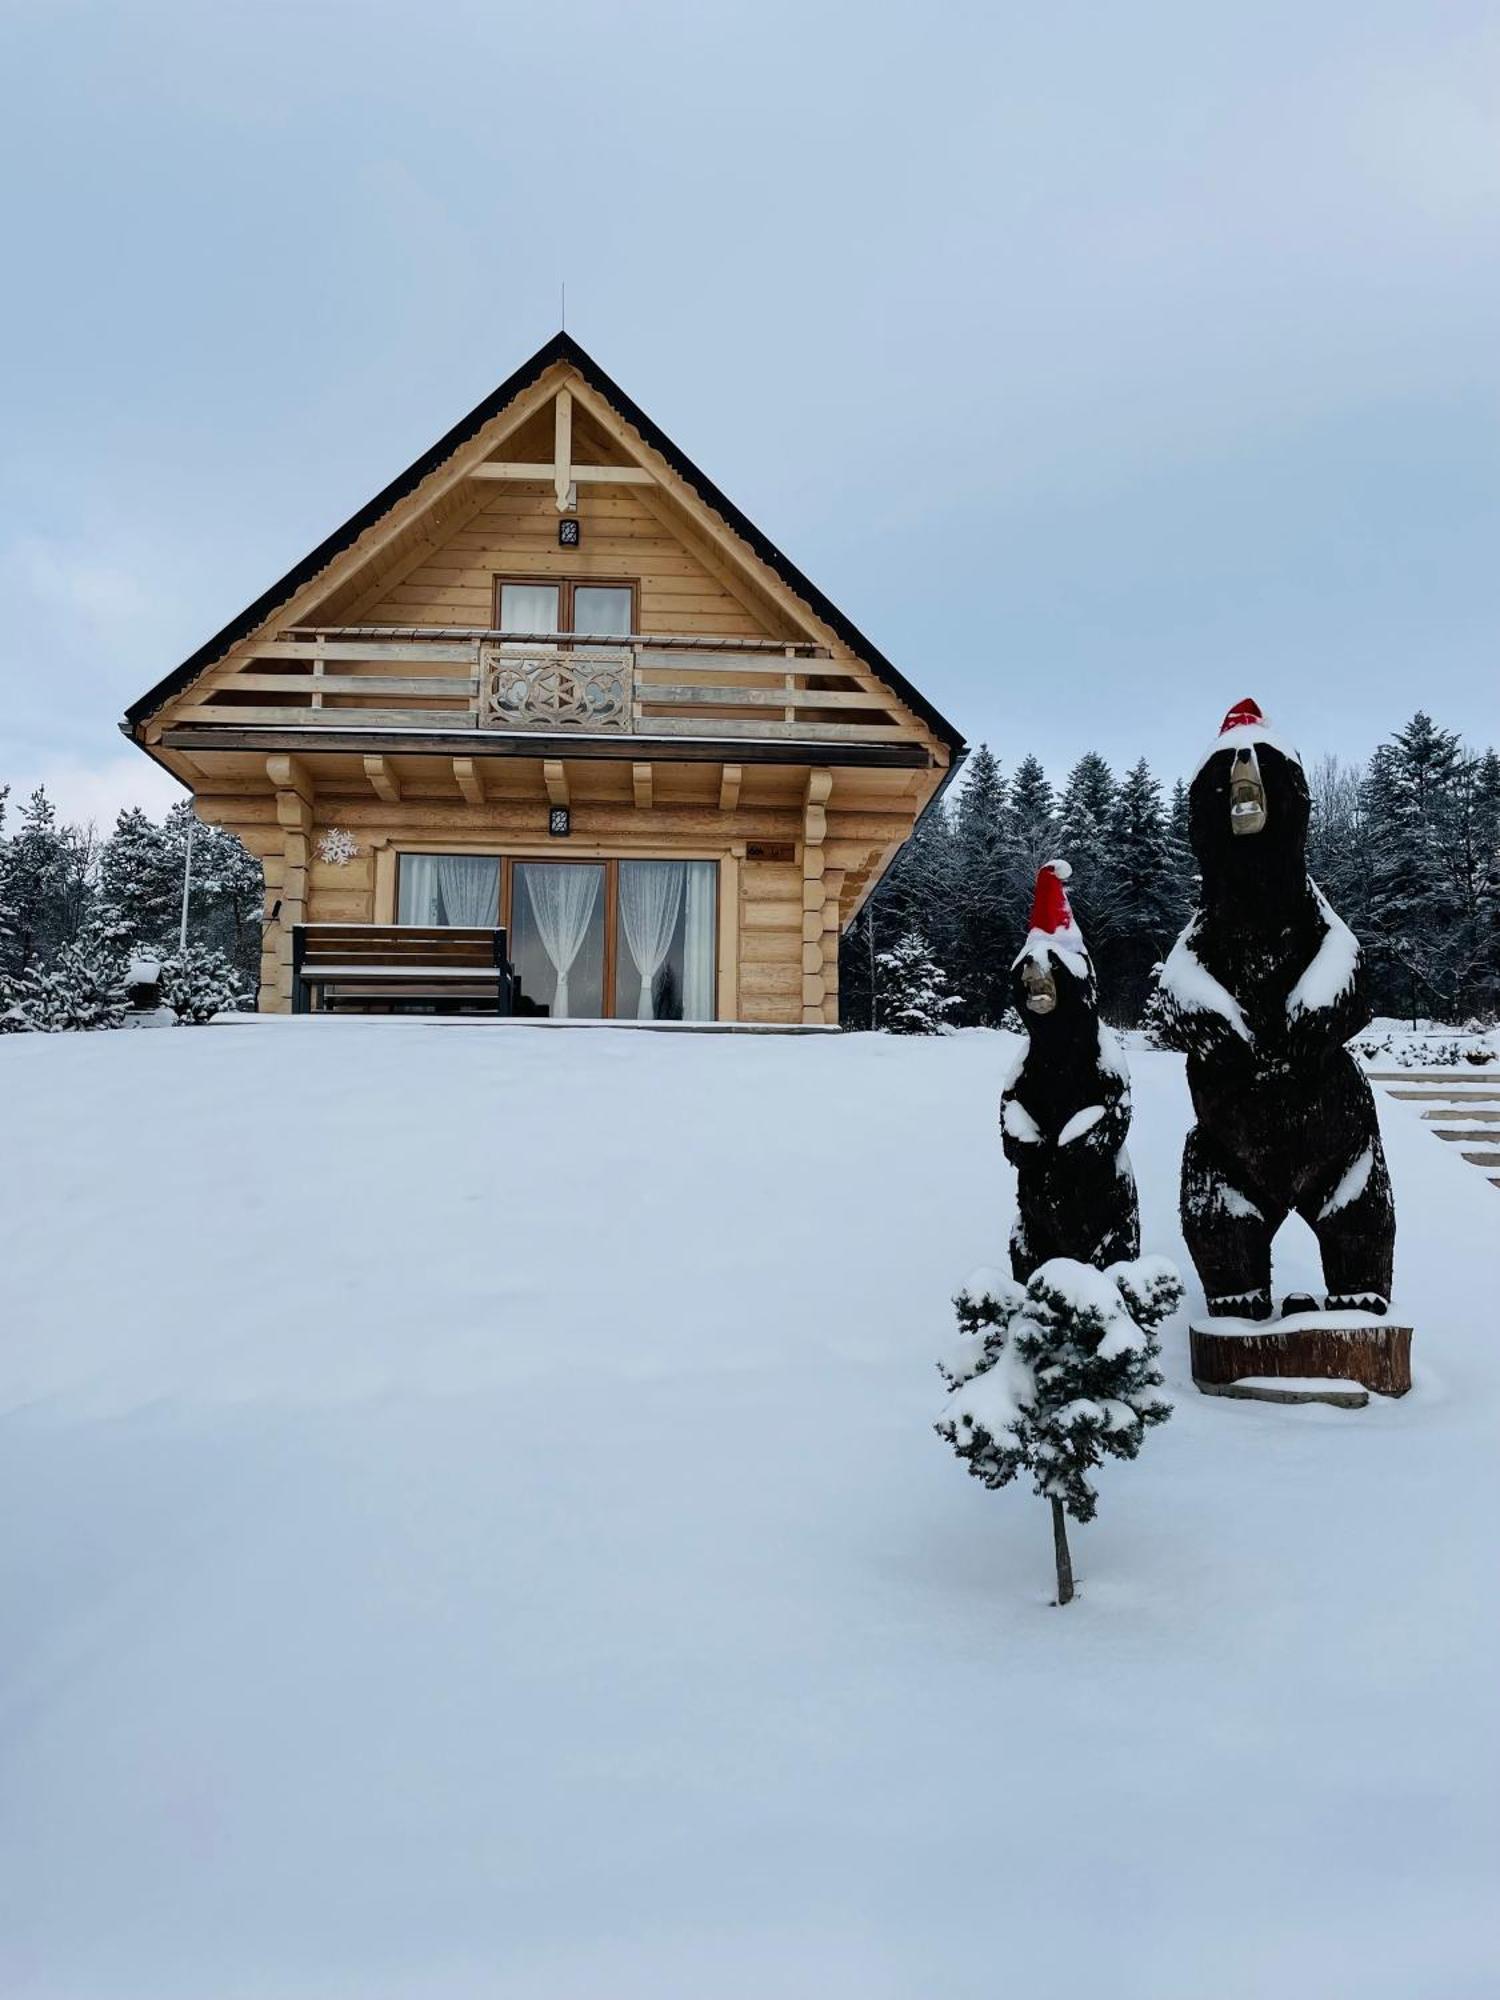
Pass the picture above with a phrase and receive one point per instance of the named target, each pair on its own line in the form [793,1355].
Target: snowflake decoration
[338,847]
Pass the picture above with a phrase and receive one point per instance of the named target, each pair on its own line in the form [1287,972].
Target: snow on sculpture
[1065,1111]
[1261,991]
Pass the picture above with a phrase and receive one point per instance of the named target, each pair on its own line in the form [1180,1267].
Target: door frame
[726,878]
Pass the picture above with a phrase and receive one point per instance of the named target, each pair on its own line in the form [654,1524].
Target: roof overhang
[201,740]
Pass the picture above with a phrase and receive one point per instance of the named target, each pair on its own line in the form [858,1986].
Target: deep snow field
[470,1526]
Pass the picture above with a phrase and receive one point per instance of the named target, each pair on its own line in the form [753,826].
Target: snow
[1331,971]
[1352,1186]
[1229,1201]
[142,971]
[1248,736]
[1305,1385]
[1018,1123]
[1081,1122]
[1067,946]
[1185,979]
[473,1527]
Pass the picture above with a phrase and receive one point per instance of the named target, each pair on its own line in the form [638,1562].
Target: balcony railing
[441,678]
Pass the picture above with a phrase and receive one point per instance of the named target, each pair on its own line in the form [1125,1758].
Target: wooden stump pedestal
[1236,1356]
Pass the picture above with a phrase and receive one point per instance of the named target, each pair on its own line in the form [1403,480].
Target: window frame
[565,586]
[610,863]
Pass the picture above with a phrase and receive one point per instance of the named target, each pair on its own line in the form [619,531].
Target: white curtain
[419,888]
[562,901]
[470,885]
[698,968]
[650,904]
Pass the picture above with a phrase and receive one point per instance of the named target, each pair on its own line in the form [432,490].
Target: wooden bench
[400,968]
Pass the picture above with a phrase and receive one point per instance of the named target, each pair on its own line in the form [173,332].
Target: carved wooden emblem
[550,689]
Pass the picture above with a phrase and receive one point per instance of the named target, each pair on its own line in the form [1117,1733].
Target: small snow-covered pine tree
[82,988]
[1055,1376]
[914,998]
[199,983]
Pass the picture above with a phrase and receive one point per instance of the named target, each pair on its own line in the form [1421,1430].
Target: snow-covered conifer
[199,983]
[1055,1376]
[81,988]
[914,998]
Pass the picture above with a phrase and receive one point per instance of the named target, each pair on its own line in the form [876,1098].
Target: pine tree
[1151,907]
[918,893]
[35,873]
[140,886]
[1031,820]
[1415,913]
[1055,1376]
[201,982]
[81,988]
[1184,862]
[984,934]
[140,881]
[1083,822]
[914,994]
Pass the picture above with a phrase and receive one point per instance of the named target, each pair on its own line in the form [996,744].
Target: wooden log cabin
[551,678]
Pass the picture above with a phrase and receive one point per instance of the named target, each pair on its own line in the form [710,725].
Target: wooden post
[294,815]
[814,896]
[562,451]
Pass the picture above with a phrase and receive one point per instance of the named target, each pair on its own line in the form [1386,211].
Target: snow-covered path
[472,1527]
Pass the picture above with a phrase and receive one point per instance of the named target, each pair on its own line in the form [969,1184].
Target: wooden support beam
[466,777]
[640,778]
[289,774]
[555,778]
[562,452]
[730,779]
[583,475]
[383,780]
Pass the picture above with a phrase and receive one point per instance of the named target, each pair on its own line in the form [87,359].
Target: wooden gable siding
[515,534]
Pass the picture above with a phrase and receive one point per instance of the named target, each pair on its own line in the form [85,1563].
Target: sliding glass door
[590,940]
[557,937]
[664,948]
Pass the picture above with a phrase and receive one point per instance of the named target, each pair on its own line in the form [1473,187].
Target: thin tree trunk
[1060,1550]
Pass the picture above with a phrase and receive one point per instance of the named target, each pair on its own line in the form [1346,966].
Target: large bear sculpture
[1261,991]
[1065,1111]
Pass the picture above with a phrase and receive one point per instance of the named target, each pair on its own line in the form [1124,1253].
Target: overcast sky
[1104,363]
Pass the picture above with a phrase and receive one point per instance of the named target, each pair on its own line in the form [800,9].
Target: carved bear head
[1052,978]
[1248,810]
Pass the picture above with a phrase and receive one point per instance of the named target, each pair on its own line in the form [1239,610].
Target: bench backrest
[408,946]
[355,956]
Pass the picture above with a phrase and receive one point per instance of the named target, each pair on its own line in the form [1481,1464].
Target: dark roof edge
[561,347]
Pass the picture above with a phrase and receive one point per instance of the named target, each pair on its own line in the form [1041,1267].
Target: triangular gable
[447,467]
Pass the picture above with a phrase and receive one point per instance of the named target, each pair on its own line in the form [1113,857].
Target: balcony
[440,679]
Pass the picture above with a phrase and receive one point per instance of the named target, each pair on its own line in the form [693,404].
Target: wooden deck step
[1462,1111]
[1469,1073]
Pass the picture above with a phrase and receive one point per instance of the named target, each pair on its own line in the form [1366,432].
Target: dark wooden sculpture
[1262,991]
[1065,1112]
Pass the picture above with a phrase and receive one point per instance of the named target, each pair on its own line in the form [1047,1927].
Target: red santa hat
[1244,727]
[1052,918]
[1244,715]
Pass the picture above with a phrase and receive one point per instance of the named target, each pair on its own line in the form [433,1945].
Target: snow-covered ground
[472,1526]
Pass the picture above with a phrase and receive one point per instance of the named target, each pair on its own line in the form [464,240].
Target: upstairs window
[602,610]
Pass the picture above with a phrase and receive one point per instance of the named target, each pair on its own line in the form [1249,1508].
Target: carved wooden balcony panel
[549,689]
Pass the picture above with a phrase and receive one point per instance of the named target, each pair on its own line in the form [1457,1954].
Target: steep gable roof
[561,348]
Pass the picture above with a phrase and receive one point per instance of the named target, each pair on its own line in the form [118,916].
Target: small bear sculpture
[1066,1109]
[1261,992]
